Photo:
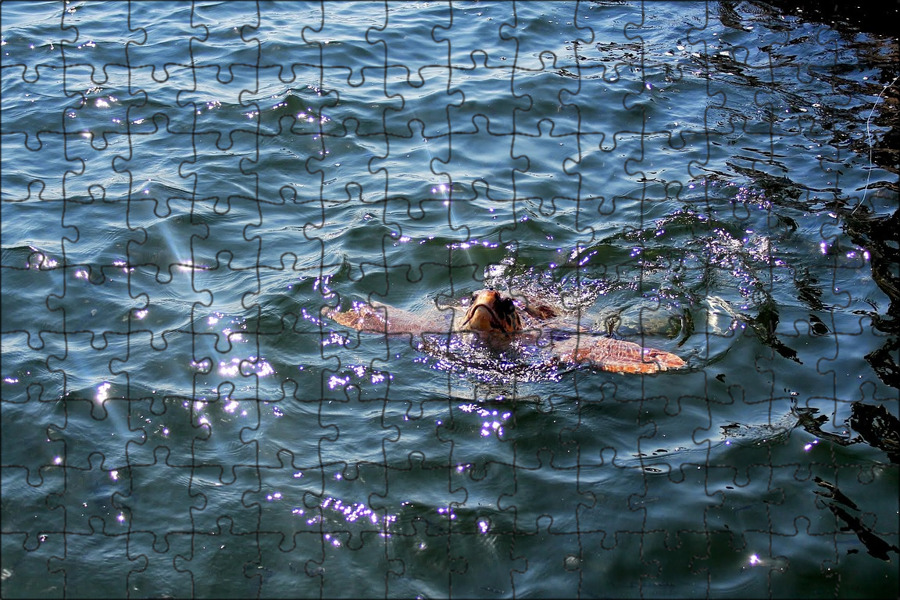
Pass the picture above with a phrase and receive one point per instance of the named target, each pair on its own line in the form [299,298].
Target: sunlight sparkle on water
[323,283]
[234,336]
[260,366]
[102,392]
[493,419]
[334,338]
[202,365]
[350,513]
[473,243]
[335,382]
[310,317]
[448,512]
[230,369]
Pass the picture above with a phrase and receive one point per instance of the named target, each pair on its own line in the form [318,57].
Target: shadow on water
[865,228]
[849,513]
[874,424]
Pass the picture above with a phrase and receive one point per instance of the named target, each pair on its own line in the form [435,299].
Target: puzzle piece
[195,198]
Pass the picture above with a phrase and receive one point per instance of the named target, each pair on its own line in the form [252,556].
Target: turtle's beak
[481,317]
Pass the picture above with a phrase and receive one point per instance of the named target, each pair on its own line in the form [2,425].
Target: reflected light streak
[349,513]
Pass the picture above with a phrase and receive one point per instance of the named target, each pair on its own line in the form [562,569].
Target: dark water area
[188,190]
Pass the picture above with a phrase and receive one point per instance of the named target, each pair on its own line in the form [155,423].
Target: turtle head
[492,312]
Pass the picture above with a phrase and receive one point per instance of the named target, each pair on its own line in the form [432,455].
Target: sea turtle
[497,320]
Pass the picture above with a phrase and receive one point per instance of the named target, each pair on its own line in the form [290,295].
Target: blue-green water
[184,187]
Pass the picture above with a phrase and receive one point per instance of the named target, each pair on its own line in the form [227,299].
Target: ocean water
[186,186]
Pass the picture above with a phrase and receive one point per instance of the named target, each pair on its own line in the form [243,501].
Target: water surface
[186,186]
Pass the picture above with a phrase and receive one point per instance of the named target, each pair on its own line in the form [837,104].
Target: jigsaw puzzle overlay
[239,246]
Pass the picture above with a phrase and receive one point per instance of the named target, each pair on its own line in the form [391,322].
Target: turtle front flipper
[362,317]
[380,318]
[617,356]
